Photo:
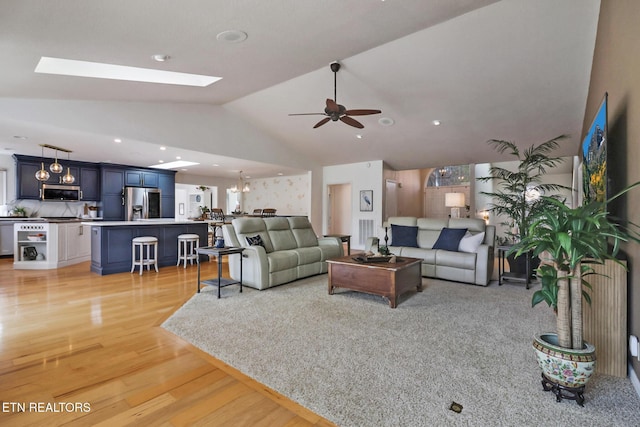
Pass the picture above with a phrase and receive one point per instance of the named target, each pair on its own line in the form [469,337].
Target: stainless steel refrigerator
[142,203]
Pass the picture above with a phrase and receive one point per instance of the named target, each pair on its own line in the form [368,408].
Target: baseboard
[634,379]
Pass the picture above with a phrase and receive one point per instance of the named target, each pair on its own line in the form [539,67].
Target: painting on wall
[366,200]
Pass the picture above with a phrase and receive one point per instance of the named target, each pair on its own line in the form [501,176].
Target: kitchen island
[111,241]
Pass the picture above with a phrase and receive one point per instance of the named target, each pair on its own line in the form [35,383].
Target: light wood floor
[71,338]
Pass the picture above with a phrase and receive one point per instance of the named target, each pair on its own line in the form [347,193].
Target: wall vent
[365,230]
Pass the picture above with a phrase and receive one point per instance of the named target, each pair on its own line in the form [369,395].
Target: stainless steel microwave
[61,192]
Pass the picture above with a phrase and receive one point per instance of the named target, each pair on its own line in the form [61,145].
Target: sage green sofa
[289,250]
[470,265]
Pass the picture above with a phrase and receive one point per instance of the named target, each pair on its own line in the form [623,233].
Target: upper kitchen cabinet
[112,193]
[167,185]
[141,178]
[87,177]
[27,186]
[90,183]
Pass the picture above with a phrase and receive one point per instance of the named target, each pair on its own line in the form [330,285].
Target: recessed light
[215,165]
[99,70]
[163,148]
[358,136]
[436,122]
[386,121]
[161,57]
[20,137]
[117,140]
[280,174]
[160,161]
[178,157]
[232,36]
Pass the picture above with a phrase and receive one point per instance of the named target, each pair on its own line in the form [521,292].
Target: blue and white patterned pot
[564,366]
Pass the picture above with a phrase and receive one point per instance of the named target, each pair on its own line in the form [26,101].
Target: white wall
[361,176]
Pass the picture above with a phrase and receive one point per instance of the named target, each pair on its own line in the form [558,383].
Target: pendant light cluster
[55,167]
[241,186]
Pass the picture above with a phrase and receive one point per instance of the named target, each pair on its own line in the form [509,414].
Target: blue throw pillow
[255,241]
[404,235]
[449,239]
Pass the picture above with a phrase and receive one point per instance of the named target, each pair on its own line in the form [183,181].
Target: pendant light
[68,178]
[56,167]
[42,174]
[241,186]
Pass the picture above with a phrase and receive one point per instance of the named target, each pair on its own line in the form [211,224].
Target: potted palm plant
[518,196]
[569,242]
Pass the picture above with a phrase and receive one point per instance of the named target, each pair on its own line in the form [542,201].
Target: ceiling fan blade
[351,122]
[361,112]
[308,114]
[332,107]
[321,122]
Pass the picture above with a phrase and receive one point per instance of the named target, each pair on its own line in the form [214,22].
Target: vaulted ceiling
[511,69]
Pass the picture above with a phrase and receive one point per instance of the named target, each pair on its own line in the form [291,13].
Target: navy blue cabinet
[112,194]
[87,177]
[141,178]
[167,185]
[27,186]
[111,245]
[89,183]
[102,182]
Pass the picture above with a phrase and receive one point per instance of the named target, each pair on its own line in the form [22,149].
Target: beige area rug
[357,362]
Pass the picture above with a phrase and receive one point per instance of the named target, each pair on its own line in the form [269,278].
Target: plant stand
[563,392]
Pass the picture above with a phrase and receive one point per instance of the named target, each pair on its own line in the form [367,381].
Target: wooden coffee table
[388,280]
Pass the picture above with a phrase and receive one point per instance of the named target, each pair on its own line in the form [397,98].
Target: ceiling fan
[334,111]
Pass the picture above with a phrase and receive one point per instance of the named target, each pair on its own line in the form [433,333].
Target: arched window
[448,176]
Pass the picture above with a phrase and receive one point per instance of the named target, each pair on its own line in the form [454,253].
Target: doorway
[339,221]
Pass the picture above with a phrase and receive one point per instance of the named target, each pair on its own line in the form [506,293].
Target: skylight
[174,165]
[70,67]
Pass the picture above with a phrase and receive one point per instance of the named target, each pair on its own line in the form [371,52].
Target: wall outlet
[634,346]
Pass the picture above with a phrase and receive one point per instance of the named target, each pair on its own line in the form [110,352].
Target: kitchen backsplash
[37,208]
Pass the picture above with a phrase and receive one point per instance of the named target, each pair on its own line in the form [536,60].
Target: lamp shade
[454,200]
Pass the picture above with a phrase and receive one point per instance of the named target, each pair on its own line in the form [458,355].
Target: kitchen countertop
[49,220]
[143,222]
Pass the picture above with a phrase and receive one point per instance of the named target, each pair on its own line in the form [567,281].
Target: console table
[220,281]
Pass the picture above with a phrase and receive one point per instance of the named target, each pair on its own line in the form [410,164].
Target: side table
[344,238]
[220,281]
[507,275]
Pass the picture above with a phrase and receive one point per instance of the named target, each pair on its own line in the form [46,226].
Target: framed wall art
[366,200]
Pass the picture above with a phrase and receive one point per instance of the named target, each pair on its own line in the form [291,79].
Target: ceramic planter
[564,371]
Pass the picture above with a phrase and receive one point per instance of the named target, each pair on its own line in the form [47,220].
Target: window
[447,176]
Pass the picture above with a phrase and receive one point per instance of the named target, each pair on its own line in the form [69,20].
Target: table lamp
[455,201]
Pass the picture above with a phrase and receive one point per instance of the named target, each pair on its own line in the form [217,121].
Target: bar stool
[144,243]
[187,245]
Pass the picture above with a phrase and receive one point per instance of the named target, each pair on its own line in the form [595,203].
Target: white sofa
[474,266]
[290,250]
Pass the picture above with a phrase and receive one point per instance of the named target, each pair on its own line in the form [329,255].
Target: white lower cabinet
[41,246]
[6,239]
[74,243]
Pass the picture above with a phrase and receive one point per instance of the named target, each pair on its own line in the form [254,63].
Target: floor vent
[365,230]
